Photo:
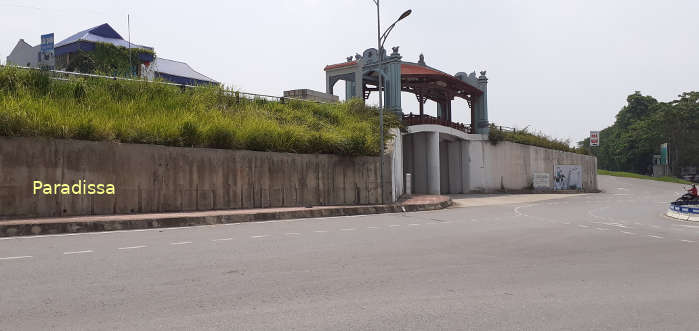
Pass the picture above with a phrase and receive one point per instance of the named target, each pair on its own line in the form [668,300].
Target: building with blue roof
[86,41]
[150,66]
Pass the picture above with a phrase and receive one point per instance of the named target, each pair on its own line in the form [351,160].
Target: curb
[682,216]
[114,222]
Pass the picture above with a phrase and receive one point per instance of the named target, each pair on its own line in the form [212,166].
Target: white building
[24,55]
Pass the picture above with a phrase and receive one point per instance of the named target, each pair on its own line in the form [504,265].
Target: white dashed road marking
[372,227]
[293,234]
[393,226]
[132,247]
[223,239]
[656,237]
[320,231]
[258,237]
[348,229]
[77,252]
[15,257]
[181,243]
[629,233]
[687,241]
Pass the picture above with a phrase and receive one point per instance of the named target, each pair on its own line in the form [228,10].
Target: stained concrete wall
[150,178]
[470,163]
[510,166]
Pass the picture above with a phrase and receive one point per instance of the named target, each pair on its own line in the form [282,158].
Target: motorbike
[687,197]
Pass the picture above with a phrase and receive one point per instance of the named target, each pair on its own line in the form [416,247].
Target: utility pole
[381,39]
[128,23]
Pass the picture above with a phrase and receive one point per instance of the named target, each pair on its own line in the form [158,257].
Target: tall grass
[638,176]
[534,139]
[33,104]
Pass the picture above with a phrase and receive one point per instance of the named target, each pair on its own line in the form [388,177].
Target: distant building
[86,41]
[175,72]
[24,55]
[306,94]
[149,67]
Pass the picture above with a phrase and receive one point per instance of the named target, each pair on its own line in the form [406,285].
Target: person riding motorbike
[693,190]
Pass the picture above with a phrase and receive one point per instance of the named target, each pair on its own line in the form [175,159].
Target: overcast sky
[560,67]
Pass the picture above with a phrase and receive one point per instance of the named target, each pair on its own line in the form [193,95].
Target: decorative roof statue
[422,60]
[349,59]
[395,50]
[357,56]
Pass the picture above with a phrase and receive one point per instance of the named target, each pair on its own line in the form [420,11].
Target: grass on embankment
[525,137]
[32,104]
[633,175]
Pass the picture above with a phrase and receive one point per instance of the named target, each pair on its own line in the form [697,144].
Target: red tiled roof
[340,65]
[412,69]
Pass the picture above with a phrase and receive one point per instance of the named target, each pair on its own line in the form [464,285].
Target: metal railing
[65,75]
[412,119]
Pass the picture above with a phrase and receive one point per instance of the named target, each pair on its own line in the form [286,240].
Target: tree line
[641,126]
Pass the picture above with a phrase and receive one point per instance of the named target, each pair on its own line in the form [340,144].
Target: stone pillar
[350,89]
[433,168]
[483,124]
[392,69]
[358,84]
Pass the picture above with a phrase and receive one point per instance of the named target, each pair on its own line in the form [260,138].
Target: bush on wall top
[32,104]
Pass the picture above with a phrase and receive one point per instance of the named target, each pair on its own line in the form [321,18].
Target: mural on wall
[567,177]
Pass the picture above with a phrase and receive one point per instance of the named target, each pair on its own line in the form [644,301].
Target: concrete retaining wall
[444,163]
[150,178]
[511,166]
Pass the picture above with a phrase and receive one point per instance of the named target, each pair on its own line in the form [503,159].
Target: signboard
[567,177]
[542,180]
[46,52]
[664,155]
[594,138]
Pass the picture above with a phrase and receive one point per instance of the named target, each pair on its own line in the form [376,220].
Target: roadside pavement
[56,225]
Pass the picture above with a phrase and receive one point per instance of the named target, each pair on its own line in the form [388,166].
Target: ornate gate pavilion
[361,76]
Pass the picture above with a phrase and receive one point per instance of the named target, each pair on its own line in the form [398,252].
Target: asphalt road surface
[608,261]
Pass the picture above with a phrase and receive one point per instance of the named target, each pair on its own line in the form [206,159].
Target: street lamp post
[381,39]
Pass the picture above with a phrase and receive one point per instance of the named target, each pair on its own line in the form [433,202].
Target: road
[608,261]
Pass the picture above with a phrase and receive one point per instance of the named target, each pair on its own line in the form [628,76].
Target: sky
[562,68]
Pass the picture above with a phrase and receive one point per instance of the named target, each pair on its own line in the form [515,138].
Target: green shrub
[32,104]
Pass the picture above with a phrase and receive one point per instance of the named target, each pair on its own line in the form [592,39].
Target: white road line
[77,252]
[15,257]
[602,229]
[132,247]
[687,241]
[181,243]
[372,227]
[260,236]
[393,226]
[657,237]
[582,226]
[320,231]
[222,239]
[414,224]
[348,229]
[292,234]
[629,233]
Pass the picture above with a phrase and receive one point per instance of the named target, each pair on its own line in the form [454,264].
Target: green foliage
[634,175]
[151,113]
[642,126]
[525,137]
[107,59]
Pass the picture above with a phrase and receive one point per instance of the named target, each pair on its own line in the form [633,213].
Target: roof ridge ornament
[421,61]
